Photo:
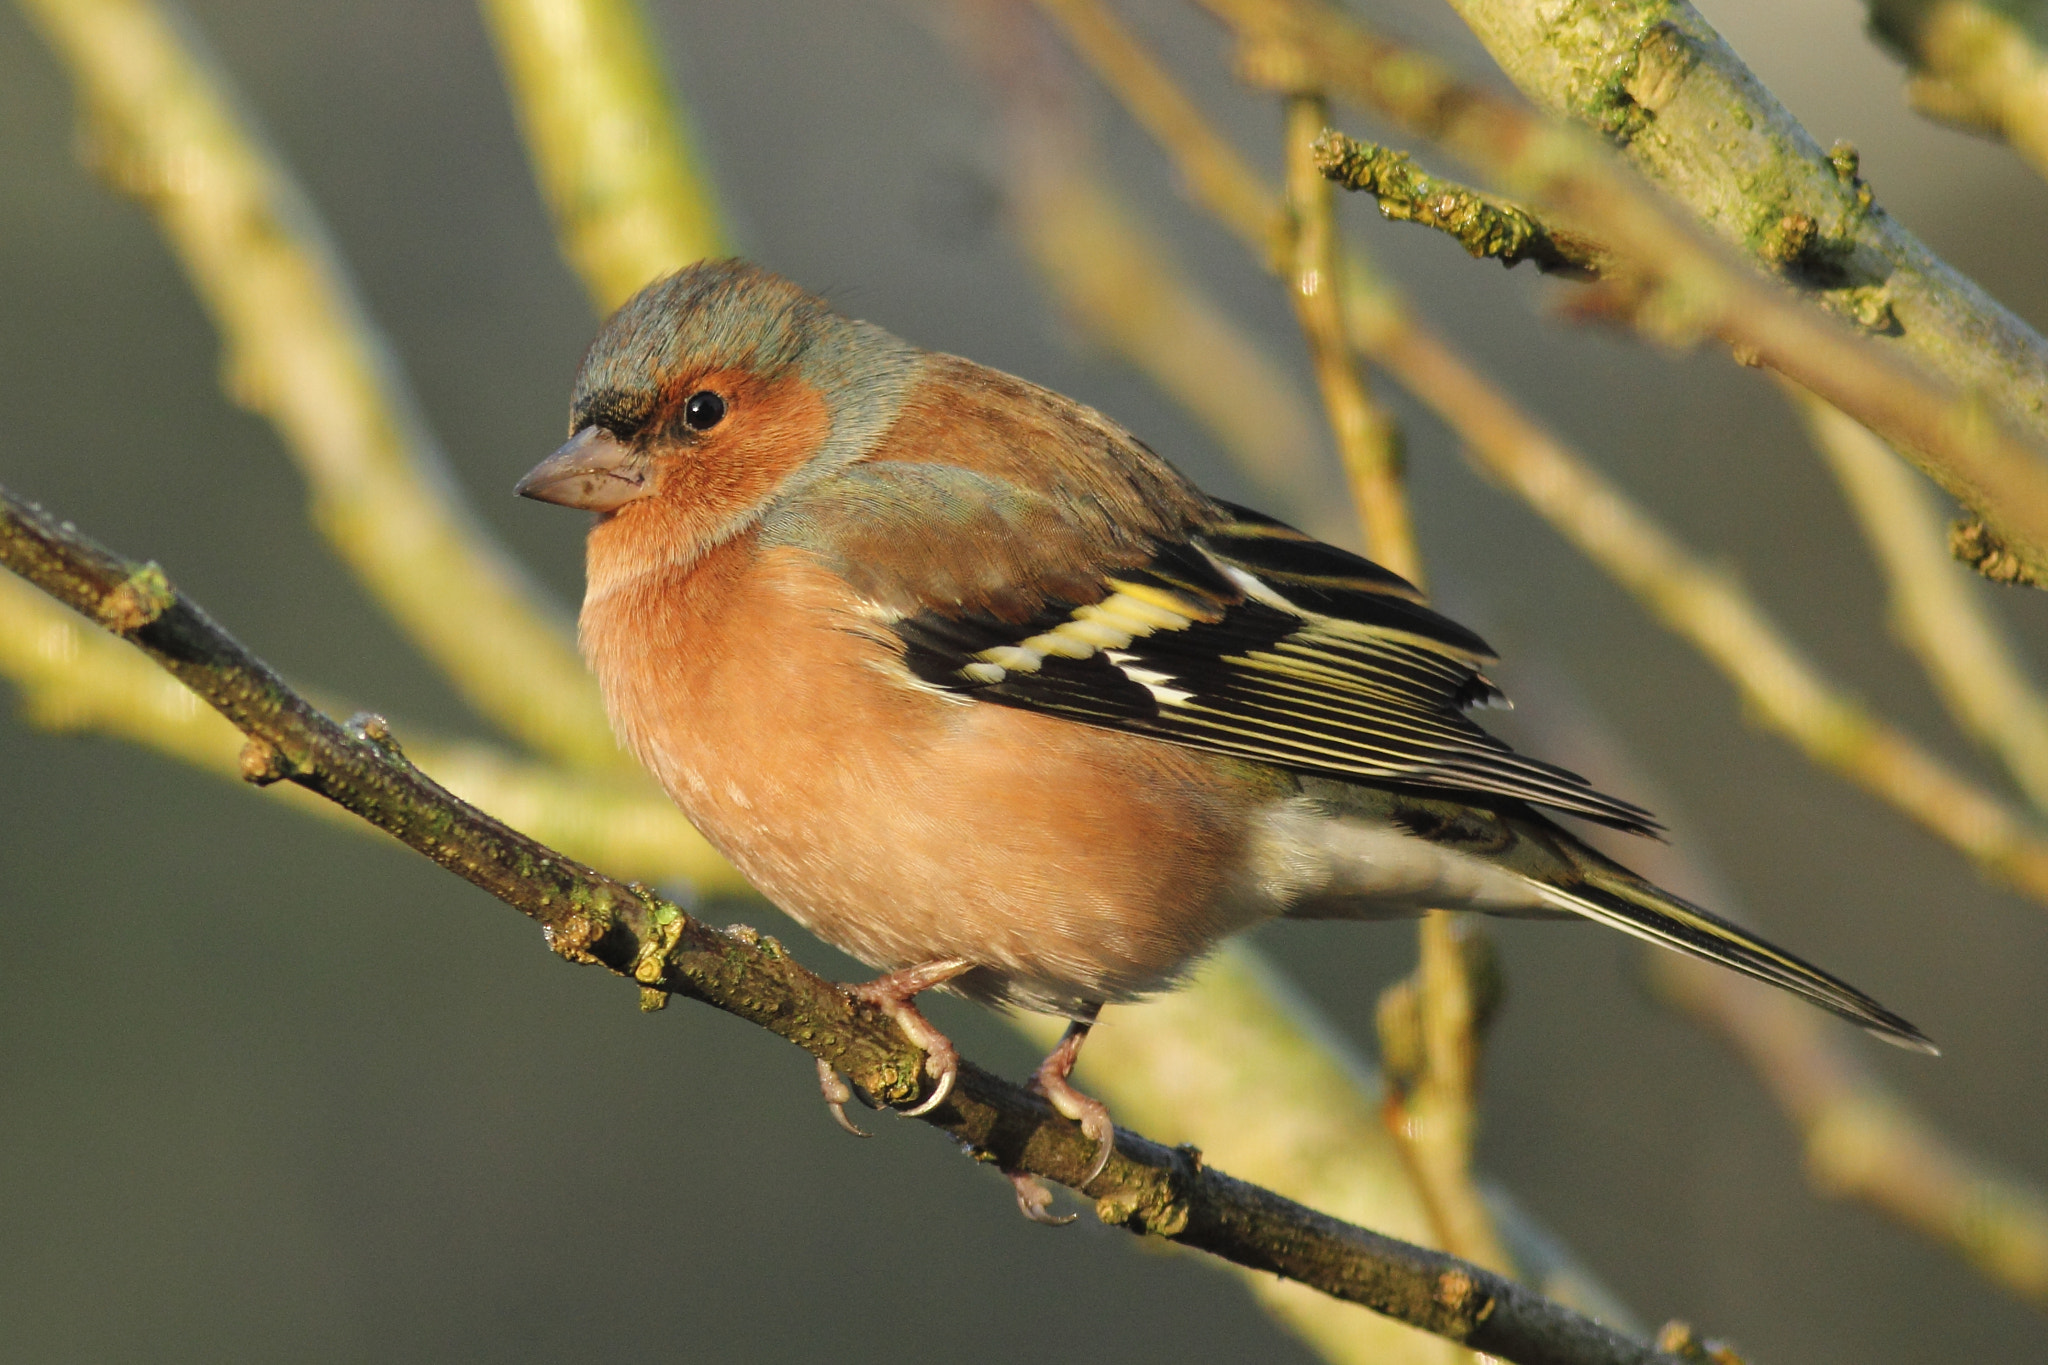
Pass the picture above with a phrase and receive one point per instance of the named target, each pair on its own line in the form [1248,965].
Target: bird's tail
[1621,900]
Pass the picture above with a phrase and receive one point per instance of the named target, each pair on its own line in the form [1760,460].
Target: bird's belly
[1068,867]
[1070,863]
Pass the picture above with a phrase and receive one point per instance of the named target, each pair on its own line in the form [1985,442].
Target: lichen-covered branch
[1948,627]
[1484,225]
[1973,543]
[1671,280]
[1702,605]
[1657,80]
[590,917]
[300,349]
[1937,611]
[1977,64]
[612,150]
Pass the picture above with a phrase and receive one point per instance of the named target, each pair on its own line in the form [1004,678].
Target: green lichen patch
[141,599]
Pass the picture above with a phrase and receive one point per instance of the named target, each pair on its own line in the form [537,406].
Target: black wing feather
[1256,640]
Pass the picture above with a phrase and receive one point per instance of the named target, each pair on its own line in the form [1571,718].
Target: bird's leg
[892,994]
[1092,1114]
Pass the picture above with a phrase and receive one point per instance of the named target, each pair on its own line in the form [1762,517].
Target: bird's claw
[943,1065]
[1034,1200]
[837,1093]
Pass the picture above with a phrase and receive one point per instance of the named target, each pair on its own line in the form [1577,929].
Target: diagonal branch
[592,918]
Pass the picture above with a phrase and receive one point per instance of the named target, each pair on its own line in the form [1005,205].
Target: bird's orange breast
[901,825]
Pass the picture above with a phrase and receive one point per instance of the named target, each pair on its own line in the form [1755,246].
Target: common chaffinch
[978,688]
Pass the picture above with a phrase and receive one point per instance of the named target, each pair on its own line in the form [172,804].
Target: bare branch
[590,917]
[1432,1026]
[1368,442]
[1865,1143]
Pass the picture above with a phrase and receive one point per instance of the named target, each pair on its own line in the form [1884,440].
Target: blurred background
[276,1088]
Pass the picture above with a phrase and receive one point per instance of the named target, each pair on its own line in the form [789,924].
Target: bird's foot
[892,995]
[1050,1080]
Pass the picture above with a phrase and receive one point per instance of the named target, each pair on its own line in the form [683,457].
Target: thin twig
[1937,610]
[1432,1026]
[1368,442]
[1431,1107]
[1484,225]
[301,349]
[1675,281]
[611,148]
[1780,686]
[1216,175]
[1112,275]
[1701,604]
[590,917]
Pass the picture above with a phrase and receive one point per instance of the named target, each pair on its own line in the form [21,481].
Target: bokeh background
[271,1088]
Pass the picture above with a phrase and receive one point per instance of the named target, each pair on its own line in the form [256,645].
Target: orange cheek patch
[769,431]
[710,485]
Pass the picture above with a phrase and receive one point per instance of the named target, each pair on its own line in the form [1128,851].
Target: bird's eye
[703,411]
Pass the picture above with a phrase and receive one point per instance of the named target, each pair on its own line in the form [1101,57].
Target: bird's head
[708,395]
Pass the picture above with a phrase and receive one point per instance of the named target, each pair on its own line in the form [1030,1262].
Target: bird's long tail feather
[1622,901]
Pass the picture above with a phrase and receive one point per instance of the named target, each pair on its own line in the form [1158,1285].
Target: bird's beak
[595,471]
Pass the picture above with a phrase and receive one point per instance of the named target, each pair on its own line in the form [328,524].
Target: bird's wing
[1250,638]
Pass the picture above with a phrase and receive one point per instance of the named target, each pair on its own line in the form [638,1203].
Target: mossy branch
[593,918]
[1661,85]
[1484,225]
